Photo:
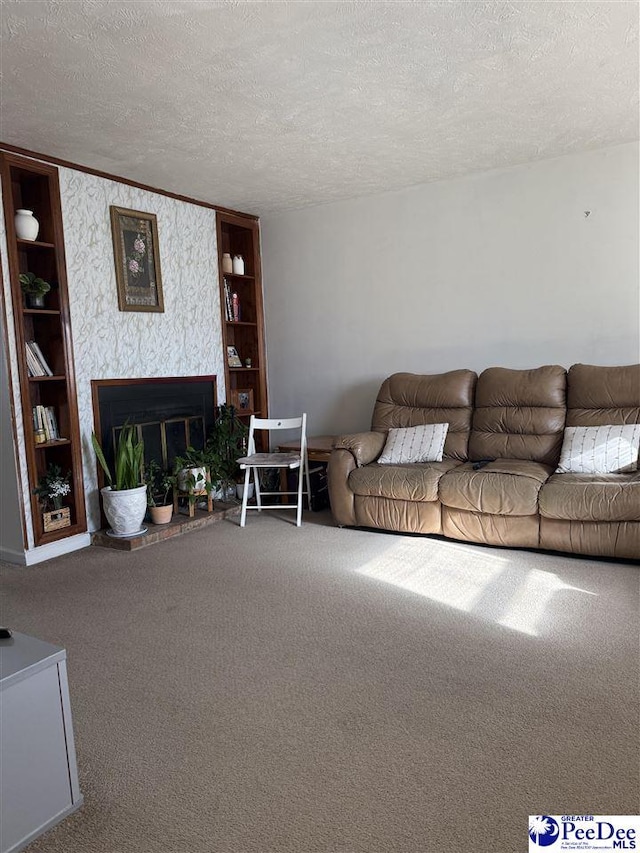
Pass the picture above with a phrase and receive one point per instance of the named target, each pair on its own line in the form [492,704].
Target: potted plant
[192,473]
[160,484]
[125,498]
[34,288]
[52,488]
[226,443]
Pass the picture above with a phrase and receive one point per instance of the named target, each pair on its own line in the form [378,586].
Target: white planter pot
[240,490]
[27,226]
[125,509]
[224,492]
[199,475]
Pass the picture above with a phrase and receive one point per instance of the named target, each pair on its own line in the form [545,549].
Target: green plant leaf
[100,458]
[32,284]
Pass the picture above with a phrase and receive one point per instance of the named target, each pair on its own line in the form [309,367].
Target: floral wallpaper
[185,340]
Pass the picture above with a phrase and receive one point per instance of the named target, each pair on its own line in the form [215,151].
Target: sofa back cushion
[409,399]
[597,396]
[519,414]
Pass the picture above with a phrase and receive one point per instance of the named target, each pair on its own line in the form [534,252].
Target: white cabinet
[38,774]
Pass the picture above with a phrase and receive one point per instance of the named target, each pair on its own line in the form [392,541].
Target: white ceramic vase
[227,263]
[125,509]
[238,265]
[27,226]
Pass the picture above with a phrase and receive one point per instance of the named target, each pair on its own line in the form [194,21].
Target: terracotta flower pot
[161,514]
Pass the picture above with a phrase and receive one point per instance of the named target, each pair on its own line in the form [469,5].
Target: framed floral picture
[135,247]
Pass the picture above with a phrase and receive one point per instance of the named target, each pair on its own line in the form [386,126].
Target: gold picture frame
[137,259]
[233,359]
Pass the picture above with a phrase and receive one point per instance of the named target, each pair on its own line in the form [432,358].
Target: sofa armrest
[350,452]
[365,447]
[341,498]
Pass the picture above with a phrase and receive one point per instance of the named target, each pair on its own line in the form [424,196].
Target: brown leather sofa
[517,419]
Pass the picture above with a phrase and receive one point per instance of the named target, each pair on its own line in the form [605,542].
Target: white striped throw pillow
[423,443]
[606,449]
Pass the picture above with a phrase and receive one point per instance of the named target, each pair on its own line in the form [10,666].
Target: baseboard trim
[56,549]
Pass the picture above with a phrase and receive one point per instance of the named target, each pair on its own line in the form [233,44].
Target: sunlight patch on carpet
[531,599]
[483,583]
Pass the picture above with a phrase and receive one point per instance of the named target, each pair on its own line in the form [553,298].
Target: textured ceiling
[274,105]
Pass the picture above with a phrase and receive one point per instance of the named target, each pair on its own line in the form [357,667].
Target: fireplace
[171,414]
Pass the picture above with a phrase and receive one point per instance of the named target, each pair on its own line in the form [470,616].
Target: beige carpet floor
[317,690]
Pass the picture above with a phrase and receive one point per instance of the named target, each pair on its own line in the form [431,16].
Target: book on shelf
[41,358]
[230,313]
[36,362]
[235,307]
[45,422]
[33,365]
[40,423]
[37,430]
[228,310]
[52,422]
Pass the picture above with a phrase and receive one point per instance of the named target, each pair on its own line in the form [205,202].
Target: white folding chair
[253,462]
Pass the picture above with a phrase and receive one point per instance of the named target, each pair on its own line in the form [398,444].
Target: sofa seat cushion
[411,482]
[502,487]
[591,497]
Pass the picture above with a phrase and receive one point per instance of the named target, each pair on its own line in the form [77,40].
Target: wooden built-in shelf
[46,445]
[239,235]
[33,244]
[34,185]
[237,275]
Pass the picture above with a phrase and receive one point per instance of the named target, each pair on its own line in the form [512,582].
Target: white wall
[500,268]
[185,340]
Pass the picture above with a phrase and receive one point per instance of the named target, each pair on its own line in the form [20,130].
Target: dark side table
[319,449]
